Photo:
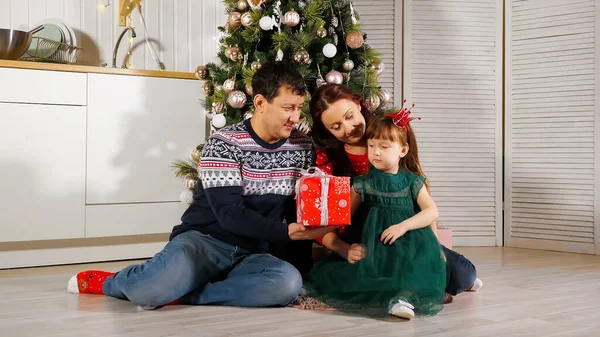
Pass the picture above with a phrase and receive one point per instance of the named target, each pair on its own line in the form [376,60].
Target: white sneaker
[403,309]
[476,285]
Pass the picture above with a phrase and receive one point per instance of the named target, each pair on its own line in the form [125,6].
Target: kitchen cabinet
[42,169]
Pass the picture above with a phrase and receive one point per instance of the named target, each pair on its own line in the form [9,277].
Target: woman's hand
[356,253]
[392,233]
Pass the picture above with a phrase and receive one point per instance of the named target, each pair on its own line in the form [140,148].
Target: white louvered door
[453,75]
[382,22]
[552,127]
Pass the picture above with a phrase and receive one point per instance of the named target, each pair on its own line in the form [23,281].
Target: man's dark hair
[273,75]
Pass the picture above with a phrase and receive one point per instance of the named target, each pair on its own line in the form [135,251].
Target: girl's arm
[426,216]
[434,228]
[334,243]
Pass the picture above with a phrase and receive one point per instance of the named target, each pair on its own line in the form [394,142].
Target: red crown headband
[402,118]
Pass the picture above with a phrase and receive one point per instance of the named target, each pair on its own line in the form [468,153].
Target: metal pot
[14,43]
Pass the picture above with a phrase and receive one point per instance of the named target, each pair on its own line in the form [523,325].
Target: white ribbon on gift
[317,172]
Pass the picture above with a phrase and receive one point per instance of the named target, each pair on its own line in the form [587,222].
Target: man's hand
[392,234]
[297,231]
[355,253]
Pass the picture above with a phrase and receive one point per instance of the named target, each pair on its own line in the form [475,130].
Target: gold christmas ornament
[354,40]
[321,32]
[208,88]
[195,155]
[201,73]
[255,65]
[234,19]
[236,99]
[242,5]
[247,20]
[190,182]
[301,56]
[249,89]
[235,54]
[229,85]
[292,18]
[378,66]
[372,103]
[348,65]
[218,107]
[255,4]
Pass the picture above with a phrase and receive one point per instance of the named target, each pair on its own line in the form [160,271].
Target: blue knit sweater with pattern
[246,187]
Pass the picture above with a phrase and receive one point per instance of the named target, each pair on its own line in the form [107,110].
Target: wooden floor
[525,293]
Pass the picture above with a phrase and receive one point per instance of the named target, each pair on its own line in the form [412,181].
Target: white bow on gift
[310,173]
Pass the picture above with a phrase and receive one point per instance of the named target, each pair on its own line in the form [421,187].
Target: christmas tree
[322,39]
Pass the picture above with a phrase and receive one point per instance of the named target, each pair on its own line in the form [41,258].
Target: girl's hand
[391,234]
[356,253]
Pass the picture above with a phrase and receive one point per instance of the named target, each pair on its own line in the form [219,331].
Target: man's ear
[259,103]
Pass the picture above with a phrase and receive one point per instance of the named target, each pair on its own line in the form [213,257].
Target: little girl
[403,269]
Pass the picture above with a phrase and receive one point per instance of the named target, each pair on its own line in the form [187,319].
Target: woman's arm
[354,201]
[333,242]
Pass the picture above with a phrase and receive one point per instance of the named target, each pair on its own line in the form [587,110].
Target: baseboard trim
[61,252]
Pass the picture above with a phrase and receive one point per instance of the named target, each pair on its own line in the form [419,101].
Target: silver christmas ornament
[292,18]
[236,99]
[378,66]
[385,96]
[334,77]
[229,85]
[348,65]
[372,103]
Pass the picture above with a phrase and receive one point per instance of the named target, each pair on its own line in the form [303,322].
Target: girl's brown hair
[383,127]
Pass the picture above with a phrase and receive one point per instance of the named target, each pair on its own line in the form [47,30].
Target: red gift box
[323,200]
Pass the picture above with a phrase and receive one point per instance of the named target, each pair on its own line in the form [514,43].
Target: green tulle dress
[412,269]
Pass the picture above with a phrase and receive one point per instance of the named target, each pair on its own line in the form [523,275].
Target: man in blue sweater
[247,176]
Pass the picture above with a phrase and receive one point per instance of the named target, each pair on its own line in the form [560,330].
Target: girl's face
[385,154]
[345,122]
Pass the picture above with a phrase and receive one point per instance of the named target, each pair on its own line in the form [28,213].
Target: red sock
[177,301]
[90,281]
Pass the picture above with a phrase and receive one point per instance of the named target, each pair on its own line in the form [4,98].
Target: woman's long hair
[383,127]
[321,100]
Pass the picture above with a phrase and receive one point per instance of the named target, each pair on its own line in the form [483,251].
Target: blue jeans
[199,269]
[460,272]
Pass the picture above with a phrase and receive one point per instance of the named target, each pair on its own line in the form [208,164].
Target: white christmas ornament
[266,23]
[219,121]
[186,196]
[329,50]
